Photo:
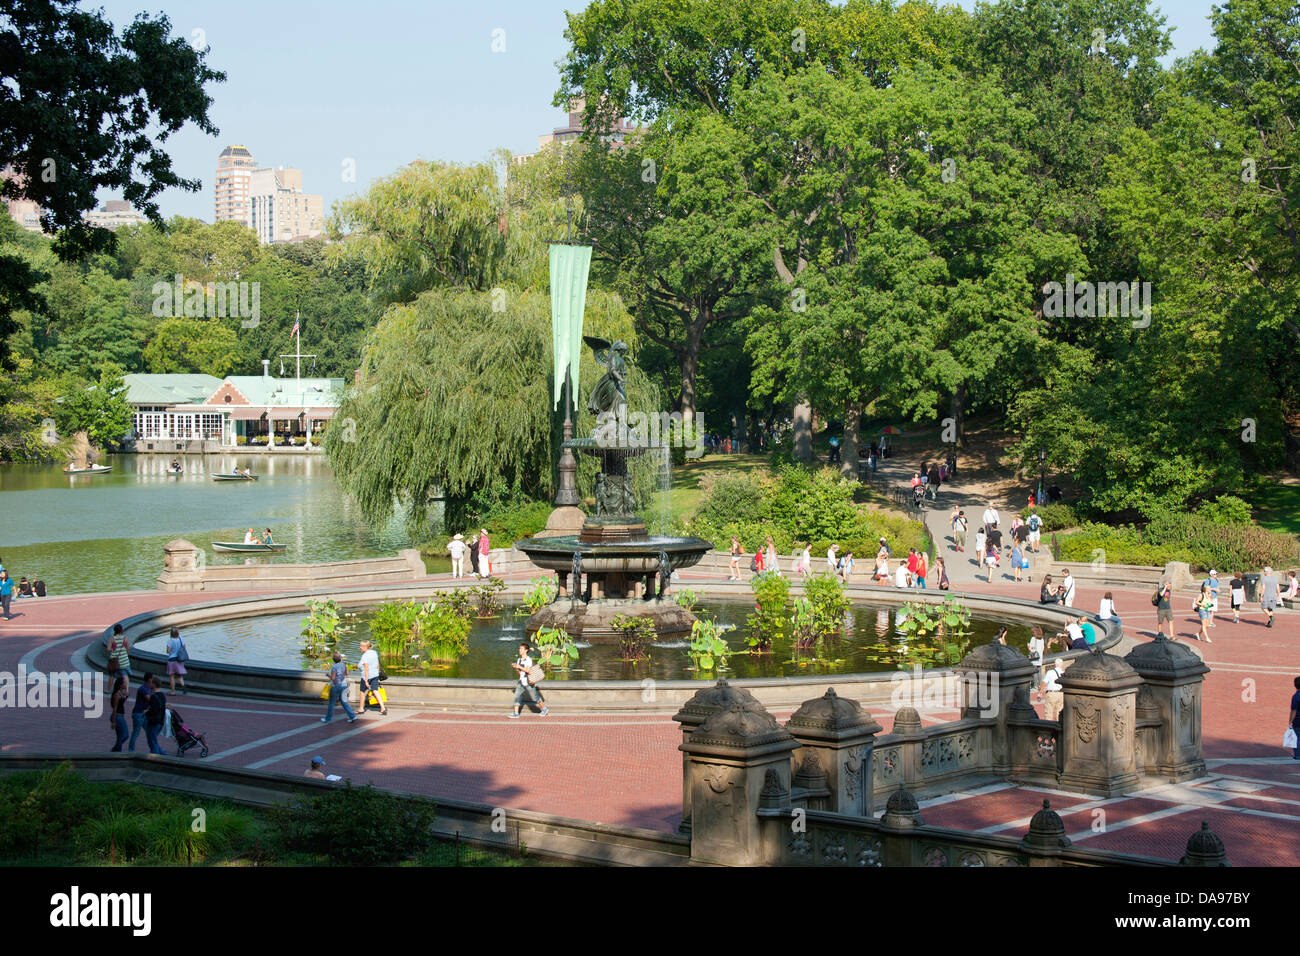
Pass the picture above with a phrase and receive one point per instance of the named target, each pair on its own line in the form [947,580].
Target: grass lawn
[1277,507]
[684,494]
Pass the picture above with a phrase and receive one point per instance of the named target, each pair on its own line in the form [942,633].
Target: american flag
[295,329]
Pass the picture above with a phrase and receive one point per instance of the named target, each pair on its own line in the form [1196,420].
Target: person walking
[934,483]
[1035,525]
[456,547]
[1294,718]
[1268,595]
[369,666]
[803,561]
[759,564]
[832,559]
[6,593]
[526,688]
[770,559]
[958,524]
[1164,609]
[990,518]
[981,543]
[881,575]
[117,711]
[1067,589]
[119,654]
[1036,648]
[941,574]
[177,655]
[484,554]
[338,688]
[1237,589]
[156,716]
[922,569]
[733,569]
[1212,583]
[1202,606]
[1017,559]
[139,713]
[991,557]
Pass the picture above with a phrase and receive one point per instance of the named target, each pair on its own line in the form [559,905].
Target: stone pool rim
[462,694]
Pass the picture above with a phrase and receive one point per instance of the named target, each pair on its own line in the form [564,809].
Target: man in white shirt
[1053,692]
[457,548]
[525,688]
[1067,589]
[832,559]
[1075,632]
[369,667]
[902,578]
[990,517]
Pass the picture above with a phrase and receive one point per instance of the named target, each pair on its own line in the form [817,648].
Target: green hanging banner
[569,268]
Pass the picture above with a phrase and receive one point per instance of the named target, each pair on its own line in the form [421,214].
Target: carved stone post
[1173,676]
[1098,726]
[721,696]
[735,756]
[1046,837]
[991,676]
[182,567]
[843,737]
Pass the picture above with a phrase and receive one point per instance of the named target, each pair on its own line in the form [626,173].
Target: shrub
[1185,537]
[771,595]
[541,593]
[555,647]
[735,499]
[1227,509]
[636,634]
[356,826]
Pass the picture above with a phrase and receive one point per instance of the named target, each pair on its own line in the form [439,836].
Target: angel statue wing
[601,349]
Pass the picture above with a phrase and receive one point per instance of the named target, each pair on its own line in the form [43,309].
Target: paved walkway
[626,769]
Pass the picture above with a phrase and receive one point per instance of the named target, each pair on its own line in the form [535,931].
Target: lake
[106,532]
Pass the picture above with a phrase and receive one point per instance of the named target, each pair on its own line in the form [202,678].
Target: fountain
[613,566]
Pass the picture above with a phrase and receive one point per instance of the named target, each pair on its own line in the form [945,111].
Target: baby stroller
[187,739]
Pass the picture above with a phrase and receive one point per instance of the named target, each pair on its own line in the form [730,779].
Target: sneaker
[513,716]
[352,720]
[324,721]
[545,711]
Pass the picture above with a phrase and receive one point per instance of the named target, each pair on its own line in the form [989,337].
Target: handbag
[383,674]
[1289,738]
[535,674]
[325,691]
[183,654]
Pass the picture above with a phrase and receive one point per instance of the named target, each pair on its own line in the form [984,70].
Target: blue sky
[313,85]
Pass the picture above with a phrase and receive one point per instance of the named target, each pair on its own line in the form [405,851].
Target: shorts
[991,560]
[1268,604]
[175,667]
[1035,536]
[1164,614]
[1203,613]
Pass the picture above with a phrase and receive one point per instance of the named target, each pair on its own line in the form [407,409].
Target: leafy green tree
[455,396]
[82,109]
[203,346]
[99,409]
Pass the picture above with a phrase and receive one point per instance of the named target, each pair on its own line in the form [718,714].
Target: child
[980,539]
[991,559]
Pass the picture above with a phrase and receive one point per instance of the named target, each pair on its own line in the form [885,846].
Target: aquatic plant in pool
[428,633]
[686,598]
[321,628]
[487,597]
[767,623]
[555,647]
[541,593]
[708,649]
[636,634]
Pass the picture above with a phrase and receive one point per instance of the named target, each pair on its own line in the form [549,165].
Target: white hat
[482,530]
[1212,571]
[457,537]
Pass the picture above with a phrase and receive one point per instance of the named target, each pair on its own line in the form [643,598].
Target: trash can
[1252,587]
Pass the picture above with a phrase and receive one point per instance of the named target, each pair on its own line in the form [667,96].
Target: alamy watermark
[1087,300]
[36,690]
[958,690]
[211,300]
[624,429]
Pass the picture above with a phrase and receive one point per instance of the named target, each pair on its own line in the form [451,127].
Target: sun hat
[458,537]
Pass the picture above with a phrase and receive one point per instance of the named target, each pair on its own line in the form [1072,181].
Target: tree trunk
[958,414]
[852,440]
[803,414]
[690,365]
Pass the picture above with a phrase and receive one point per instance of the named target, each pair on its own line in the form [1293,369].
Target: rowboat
[173,472]
[88,470]
[242,548]
[234,477]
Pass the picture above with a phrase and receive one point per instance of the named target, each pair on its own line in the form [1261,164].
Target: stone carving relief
[888,764]
[934,856]
[972,859]
[854,772]
[1045,745]
[835,848]
[869,852]
[1085,720]
[938,755]
[1119,726]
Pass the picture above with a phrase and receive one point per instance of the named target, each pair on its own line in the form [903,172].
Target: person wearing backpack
[156,715]
[1035,523]
[1164,609]
[177,655]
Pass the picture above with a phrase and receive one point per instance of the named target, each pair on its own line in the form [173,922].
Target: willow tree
[454,395]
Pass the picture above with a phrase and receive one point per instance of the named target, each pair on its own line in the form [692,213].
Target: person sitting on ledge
[25,589]
[317,768]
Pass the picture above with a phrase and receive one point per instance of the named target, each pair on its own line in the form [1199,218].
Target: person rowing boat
[250,537]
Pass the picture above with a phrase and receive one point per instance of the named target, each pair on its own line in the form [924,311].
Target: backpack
[1034,522]
[1155,599]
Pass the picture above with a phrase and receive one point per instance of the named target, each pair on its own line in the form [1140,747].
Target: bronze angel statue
[609,393]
